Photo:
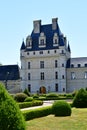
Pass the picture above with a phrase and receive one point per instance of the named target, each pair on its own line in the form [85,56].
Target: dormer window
[42,40]
[29,42]
[55,39]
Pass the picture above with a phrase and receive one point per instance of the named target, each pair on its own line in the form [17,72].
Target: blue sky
[16,22]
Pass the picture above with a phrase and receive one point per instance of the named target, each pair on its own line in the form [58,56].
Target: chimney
[54,23]
[36,26]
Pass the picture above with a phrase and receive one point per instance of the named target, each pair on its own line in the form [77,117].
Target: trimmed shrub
[42,98]
[11,117]
[35,96]
[29,99]
[80,100]
[30,104]
[36,113]
[69,96]
[52,96]
[20,97]
[26,92]
[61,108]
[42,95]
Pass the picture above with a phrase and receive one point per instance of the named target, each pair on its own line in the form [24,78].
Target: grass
[77,121]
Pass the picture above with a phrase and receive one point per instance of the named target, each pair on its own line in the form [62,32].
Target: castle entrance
[42,89]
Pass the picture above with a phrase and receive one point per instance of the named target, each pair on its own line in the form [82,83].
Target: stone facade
[77,74]
[46,63]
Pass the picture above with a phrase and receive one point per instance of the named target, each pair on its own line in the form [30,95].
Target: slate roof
[9,72]
[23,46]
[49,33]
[76,61]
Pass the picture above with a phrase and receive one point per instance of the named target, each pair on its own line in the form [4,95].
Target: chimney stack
[54,23]
[36,26]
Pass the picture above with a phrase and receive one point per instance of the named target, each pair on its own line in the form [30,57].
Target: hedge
[36,113]
[28,99]
[52,96]
[30,104]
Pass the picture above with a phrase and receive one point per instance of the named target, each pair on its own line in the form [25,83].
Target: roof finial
[23,45]
[69,47]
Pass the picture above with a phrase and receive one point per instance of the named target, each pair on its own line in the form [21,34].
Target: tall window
[29,87]
[62,64]
[42,75]
[85,75]
[73,75]
[28,65]
[55,41]
[62,76]
[56,87]
[56,63]
[42,42]
[29,76]
[41,64]
[56,75]
[63,89]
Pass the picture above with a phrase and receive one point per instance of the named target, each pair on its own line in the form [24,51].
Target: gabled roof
[9,72]
[49,33]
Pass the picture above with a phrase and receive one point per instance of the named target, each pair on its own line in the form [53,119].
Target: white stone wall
[79,81]
[49,69]
[13,86]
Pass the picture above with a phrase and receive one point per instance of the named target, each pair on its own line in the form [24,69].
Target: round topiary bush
[11,117]
[61,108]
[20,97]
[80,100]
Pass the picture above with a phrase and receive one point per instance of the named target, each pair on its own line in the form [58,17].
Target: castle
[46,63]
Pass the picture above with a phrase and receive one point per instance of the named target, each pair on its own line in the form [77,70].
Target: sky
[16,23]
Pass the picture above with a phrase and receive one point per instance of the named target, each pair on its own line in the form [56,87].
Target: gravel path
[45,103]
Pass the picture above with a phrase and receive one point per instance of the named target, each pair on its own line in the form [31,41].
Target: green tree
[80,100]
[11,117]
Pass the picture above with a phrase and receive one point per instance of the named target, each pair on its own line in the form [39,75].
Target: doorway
[42,90]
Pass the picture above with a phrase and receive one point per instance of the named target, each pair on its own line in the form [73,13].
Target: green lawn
[77,121]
